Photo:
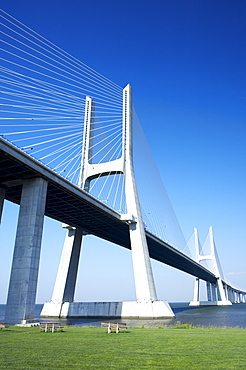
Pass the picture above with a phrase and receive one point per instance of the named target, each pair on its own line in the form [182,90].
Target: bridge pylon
[217,293]
[146,304]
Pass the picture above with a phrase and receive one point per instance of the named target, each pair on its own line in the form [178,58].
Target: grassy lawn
[135,348]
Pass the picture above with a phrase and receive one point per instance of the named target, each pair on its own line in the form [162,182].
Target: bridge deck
[71,205]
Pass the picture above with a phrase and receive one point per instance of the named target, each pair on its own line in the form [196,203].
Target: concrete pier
[67,272]
[145,310]
[25,265]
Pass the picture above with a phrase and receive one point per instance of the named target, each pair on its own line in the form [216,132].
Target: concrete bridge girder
[75,207]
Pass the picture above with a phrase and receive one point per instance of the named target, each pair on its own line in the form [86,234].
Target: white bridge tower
[146,304]
[217,294]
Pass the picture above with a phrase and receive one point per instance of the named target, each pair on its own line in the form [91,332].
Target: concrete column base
[150,310]
[25,266]
[210,303]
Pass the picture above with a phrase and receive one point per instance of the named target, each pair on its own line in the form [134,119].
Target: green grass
[135,348]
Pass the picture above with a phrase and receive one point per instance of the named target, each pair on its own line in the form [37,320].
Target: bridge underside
[68,204]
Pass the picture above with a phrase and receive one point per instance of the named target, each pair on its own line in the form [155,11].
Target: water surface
[214,316]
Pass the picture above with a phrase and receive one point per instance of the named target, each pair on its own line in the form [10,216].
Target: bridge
[66,176]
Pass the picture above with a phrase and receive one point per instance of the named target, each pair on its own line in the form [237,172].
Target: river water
[208,317]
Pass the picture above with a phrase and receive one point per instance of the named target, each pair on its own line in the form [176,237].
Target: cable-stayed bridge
[69,151]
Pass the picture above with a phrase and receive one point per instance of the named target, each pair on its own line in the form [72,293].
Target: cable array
[158,214]
[43,94]
[43,91]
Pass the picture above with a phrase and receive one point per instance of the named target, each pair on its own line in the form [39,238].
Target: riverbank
[134,348]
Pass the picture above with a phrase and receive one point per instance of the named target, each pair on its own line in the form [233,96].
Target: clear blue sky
[186,62]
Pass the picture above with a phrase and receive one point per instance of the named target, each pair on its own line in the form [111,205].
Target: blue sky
[186,62]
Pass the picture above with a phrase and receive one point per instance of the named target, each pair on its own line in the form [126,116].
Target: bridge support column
[235,297]
[196,290]
[214,292]
[209,293]
[64,288]
[24,274]
[231,297]
[238,297]
[226,291]
[229,293]
[144,281]
[221,291]
[2,196]
[67,273]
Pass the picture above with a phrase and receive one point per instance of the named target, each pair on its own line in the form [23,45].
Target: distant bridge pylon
[219,293]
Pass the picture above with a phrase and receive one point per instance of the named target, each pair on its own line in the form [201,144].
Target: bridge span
[69,204]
